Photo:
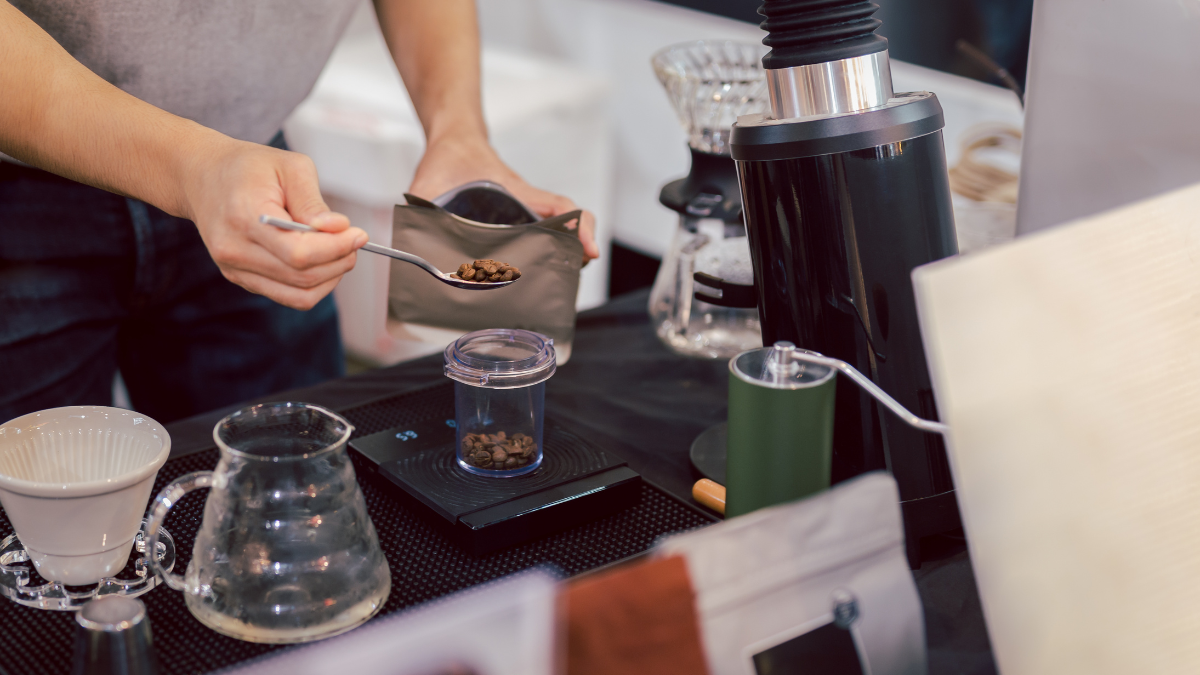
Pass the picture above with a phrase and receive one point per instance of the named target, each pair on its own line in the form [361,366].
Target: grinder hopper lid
[777,368]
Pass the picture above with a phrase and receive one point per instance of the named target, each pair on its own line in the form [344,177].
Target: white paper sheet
[1067,365]
[506,627]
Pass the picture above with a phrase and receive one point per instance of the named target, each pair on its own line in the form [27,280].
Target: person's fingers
[436,173]
[587,237]
[548,204]
[302,194]
[258,260]
[297,298]
[302,202]
[304,250]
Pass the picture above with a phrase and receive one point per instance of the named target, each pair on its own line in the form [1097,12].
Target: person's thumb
[302,196]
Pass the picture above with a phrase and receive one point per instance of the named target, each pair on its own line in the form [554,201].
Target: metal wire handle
[872,389]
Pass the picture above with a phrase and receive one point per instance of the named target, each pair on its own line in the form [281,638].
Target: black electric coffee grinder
[845,191]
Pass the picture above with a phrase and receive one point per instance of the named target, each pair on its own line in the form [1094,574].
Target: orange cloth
[638,618]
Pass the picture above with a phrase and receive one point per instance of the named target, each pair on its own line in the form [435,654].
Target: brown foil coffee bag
[548,254]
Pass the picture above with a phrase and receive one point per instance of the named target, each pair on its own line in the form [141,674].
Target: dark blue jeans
[91,282]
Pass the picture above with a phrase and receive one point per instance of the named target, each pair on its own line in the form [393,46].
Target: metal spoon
[424,264]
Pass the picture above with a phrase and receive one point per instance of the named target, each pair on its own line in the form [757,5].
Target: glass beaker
[499,395]
[683,320]
[703,302]
[286,551]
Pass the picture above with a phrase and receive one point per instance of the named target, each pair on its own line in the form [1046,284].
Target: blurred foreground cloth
[636,618]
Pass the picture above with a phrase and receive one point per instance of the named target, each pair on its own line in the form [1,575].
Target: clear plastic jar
[499,397]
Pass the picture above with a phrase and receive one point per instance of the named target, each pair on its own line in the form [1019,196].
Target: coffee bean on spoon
[487,271]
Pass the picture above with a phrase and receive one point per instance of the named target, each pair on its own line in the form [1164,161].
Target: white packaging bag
[506,627]
[816,586]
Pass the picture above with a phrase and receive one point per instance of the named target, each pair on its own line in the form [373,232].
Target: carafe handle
[170,496]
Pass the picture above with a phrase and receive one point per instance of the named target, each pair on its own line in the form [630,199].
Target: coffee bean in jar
[488,270]
[498,451]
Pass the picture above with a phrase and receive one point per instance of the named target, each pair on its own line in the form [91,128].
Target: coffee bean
[487,270]
[499,451]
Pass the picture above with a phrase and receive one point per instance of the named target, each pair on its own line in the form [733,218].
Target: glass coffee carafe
[286,551]
[703,302]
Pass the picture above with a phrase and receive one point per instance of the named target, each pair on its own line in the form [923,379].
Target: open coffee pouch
[547,252]
[816,586]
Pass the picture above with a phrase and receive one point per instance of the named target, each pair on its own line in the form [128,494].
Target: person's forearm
[435,44]
[58,115]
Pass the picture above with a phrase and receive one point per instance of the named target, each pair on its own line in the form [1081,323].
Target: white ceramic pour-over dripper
[74,482]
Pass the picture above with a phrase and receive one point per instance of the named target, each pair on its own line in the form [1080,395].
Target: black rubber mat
[424,564]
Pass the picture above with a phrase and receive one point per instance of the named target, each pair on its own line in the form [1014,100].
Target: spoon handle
[369,246]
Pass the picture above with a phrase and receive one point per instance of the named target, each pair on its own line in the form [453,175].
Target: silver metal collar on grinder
[831,88]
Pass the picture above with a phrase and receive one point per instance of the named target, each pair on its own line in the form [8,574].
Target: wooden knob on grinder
[710,494]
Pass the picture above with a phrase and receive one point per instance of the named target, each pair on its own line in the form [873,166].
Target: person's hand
[231,185]
[456,160]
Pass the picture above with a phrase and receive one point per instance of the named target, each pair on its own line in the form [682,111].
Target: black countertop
[626,390]
[623,390]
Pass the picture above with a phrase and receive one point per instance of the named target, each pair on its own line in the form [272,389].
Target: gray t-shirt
[237,66]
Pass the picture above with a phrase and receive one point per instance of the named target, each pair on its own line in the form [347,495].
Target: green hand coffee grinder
[780,433]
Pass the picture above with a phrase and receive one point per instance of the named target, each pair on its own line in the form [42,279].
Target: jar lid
[777,368]
[500,358]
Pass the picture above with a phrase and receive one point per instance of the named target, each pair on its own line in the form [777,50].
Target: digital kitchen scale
[577,482]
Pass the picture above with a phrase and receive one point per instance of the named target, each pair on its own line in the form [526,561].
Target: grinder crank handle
[872,389]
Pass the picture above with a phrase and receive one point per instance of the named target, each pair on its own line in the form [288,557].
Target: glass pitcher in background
[703,302]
